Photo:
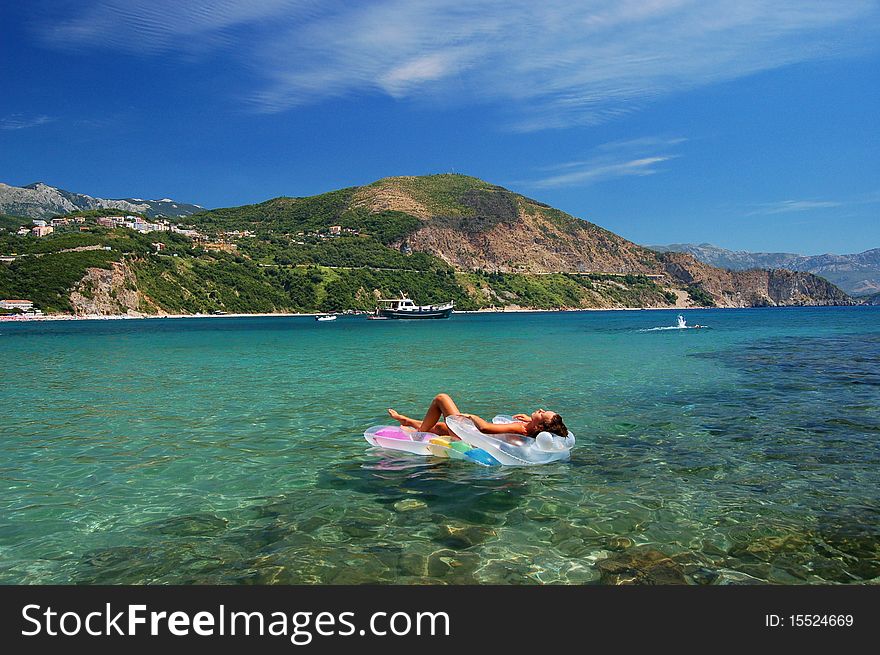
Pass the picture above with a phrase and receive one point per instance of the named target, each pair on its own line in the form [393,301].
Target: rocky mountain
[473,225]
[754,287]
[857,274]
[466,222]
[39,200]
[436,238]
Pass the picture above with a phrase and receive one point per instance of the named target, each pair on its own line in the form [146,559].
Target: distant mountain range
[39,200]
[857,274]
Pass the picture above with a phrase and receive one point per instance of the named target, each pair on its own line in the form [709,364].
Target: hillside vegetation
[435,238]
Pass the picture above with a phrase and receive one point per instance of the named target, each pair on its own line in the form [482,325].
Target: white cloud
[431,67]
[150,26]
[550,64]
[633,157]
[21,122]
[593,172]
[789,206]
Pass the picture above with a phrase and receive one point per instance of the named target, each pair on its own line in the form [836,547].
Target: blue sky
[751,125]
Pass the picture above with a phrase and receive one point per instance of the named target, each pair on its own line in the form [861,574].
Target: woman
[442,405]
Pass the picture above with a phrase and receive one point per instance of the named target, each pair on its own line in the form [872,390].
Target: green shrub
[700,296]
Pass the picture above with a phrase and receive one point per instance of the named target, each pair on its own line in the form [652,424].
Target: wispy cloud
[593,171]
[22,122]
[551,64]
[790,206]
[634,157]
[813,204]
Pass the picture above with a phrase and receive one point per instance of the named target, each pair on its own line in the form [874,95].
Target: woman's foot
[405,421]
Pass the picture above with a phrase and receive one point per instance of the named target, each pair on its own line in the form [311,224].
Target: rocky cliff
[112,291]
[482,226]
[755,287]
[857,273]
[471,224]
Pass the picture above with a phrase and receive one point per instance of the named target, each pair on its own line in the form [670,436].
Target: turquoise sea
[230,450]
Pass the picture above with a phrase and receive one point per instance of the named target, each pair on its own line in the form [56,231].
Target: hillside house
[23,305]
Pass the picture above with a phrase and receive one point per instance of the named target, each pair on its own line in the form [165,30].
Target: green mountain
[436,238]
[466,222]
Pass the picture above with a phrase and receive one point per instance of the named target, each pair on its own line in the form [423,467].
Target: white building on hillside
[24,305]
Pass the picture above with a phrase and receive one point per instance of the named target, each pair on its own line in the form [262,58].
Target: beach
[508,310]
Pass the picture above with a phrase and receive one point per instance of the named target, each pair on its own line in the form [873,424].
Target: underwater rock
[619,543]
[191,525]
[573,547]
[564,530]
[704,576]
[174,560]
[460,537]
[452,566]
[362,569]
[115,555]
[268,537]
[576,574]
[737,578]
[409,505]
[641,566]
[413,564]
[311,524]
[505,571]
[767,548]
[359,529]
[854,542]
[368,515]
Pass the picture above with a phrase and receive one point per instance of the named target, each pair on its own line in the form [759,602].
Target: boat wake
[682,325]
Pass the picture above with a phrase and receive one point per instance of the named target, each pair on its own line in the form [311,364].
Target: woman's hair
[553,425]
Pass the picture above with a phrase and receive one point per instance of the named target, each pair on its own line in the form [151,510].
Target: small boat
[405,308]
[326,317]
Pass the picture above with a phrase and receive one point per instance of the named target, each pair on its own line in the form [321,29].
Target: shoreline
[130,317]
[519,310]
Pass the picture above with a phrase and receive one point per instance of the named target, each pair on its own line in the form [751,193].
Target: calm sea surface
[230,450]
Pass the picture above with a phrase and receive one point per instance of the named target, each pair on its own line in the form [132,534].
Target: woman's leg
[443,431]
[404,420]
[442,405]
[438,429]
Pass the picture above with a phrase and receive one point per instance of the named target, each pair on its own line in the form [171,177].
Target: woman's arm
[496,428]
